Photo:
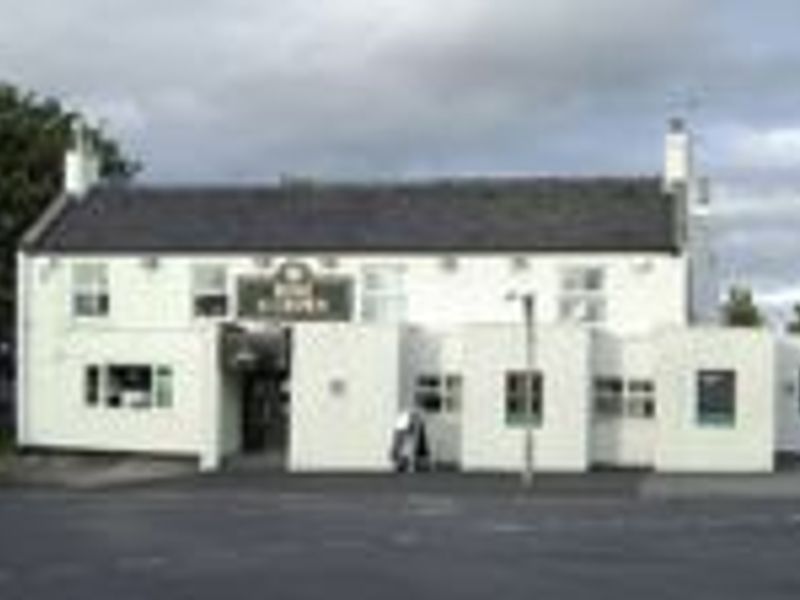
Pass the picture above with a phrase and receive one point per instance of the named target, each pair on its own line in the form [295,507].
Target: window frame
[102,389]
[382,297]
[203,291]
[90,295]
[447,389]
[582,294]
[716,418]
[608,398]
[533,414]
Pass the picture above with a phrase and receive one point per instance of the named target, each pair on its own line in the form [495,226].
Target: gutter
[35,232]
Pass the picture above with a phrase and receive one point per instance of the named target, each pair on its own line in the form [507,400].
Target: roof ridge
[407,183]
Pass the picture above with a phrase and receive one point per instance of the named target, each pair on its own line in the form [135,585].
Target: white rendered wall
[348,430]
[430,352]
[59,347]
[644,291]
[684,445]
[624,440]
[788,395]
[561,443]
[604,433]
[151,321]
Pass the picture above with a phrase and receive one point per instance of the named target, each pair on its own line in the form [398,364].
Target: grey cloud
[352,87]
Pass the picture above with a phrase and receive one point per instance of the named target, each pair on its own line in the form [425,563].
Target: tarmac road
[212,541]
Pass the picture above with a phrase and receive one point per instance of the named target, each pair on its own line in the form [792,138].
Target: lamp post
[528,301]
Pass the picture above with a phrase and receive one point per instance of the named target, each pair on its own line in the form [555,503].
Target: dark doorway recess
[265,411]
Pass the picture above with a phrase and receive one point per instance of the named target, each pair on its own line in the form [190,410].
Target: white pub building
[302,318]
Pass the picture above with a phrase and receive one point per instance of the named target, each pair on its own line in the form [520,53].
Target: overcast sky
[244,90]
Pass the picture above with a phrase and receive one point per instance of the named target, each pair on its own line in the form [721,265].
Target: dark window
[716,398]
[209,305]
[438,393]
[608,396]
[90,296]
[90,305]
[642,408]
[209,291]
[524,398]
[164,387]
[130,386]
[641,402]
[640,385]
[92,385]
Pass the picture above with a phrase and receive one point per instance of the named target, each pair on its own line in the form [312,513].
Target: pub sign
[295,293]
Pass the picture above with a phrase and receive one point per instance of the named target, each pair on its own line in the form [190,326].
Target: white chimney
[81,163]
[678,156]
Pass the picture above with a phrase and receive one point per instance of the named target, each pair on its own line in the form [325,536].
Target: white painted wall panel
[682,444]
[351,431]
[561,443]
[788,395]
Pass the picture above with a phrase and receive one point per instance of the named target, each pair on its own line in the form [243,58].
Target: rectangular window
[614,398]
[128,386]
[641,403]
[641,408]
[383,294]
[92,384]
[209,291]
[435,393]
[640,386]
[90,297]
[608,396]
[582,297]
[716,398]
[164,387]
[524,398]
[583,279]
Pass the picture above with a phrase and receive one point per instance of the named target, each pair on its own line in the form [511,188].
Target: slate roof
[470,215]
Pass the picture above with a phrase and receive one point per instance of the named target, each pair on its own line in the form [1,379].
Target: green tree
[739,310]
[35,132]
[794,325]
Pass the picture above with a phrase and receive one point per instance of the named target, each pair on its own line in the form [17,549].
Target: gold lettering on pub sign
[294,293]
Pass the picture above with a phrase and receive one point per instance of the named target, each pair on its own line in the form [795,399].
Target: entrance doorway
[265,411]
[261,362]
